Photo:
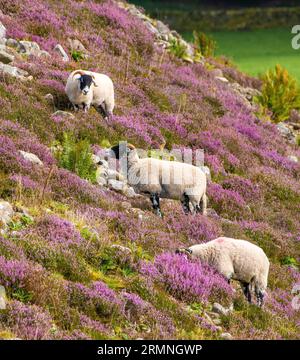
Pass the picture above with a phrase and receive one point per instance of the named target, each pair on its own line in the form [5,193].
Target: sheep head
[85,81]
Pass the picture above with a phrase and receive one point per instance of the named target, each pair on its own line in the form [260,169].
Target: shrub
[77,157]
[280,93]
[190,280]
[177,48]
[204,44]
[77,55]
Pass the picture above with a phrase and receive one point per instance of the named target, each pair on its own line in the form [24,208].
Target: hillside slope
[62,276]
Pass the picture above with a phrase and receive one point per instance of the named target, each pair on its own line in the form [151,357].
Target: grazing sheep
[86,88]
[235,259]
[165,179]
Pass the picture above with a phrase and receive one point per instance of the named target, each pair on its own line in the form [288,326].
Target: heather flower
[29,322]
[13,272]
[189,280]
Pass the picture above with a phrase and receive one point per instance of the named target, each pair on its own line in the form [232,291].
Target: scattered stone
[63,114]
[247,93]
[12,43]
[31,157]
[101,181]
[221,310]
[60,51]
[286,132]
[2,30]
[162,28]
[226,336]
[123,249]
[50,98]
[212,213]
[216,73]
[293,158]
[28,47]
[222,78]
[76,45]
[116,185]
[129,192]
[15,72]
[2,298]
[6,212]
[5,57]
[217,321]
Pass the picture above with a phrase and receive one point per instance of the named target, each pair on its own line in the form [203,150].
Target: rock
[43,53]
[12,43]
[162,28]
[129,192]
[286,132]
[50,98]
[31,157]
[293,158]
[63,114]
[212,213]
[76,45]
[217,73]
[221,310]
[15,72]
[116,185]
[246,93]
[2,30]
[6,212]
[5,57]
[96,159]
[226,336]
[222,78]
[151,28]
[121,248]
[60,51]
[217,321]
[28,47]
[2,298]
[101,181]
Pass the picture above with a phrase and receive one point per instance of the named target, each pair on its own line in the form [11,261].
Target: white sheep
[165,179]
[235,259]
[86,88]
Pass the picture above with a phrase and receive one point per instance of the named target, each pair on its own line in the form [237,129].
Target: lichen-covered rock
[5,57]
[6,212]
[31,157]
[61,52]
[63,114]
[2,30]
[226,336]
[15,72]
[76,45]
[286,132]
[221,310]
[116,185]
[3,298]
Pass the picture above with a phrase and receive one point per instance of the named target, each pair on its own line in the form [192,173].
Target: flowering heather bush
[13,272]
[189,280]
[29,322]
[159,101]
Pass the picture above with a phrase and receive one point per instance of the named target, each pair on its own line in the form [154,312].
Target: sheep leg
[246,290]
[76,107]
[154,197]
[202,207]
[259,296]
[85,107]
[186,204]
[101,109]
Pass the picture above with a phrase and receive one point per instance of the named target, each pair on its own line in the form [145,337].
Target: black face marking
[85,80]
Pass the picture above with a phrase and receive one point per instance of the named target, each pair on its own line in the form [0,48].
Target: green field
[256,51]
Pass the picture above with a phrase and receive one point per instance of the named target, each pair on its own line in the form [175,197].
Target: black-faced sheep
[86,88]
[165,179]
[235,259]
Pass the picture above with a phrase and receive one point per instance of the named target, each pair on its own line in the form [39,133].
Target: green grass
[258,50]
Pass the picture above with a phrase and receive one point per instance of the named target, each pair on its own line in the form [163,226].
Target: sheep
[165,179]
[235,259]
[86,88]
